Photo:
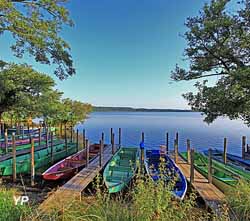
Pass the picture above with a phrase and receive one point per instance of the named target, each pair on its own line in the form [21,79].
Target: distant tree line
[130,109]
[26,93]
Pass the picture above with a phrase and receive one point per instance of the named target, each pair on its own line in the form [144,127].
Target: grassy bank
[145,201]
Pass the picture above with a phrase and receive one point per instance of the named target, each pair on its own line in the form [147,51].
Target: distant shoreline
[130,109]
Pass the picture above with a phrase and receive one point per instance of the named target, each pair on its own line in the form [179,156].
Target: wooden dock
[72,190]
[211,195]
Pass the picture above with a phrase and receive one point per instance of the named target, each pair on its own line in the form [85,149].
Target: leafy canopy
[219,46]
[27,93]
[34,25]
[22,88]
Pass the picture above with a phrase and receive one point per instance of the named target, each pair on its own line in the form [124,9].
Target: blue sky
[124,51]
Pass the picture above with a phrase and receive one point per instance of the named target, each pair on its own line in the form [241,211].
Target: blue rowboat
[172,172]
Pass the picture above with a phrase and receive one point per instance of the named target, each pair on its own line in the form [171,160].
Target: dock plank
[211,195]
[72,190]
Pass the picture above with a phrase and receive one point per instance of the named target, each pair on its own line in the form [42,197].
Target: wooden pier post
[65,137]
[23,132]
[101,153]
[51,147]
[120,137]
[113,143]
[14,157]
[47,137]
[176,151]
[6,142]
[32,162]
[61,130]
[209,175]
[142,137]
[40,136]
[83,139]
[103,138]
[192,166]
[188,151]
[243,147]
[77,140]
[225,151]
[87,153]
[111,135]
[71,134]
[167,142]
[177,138]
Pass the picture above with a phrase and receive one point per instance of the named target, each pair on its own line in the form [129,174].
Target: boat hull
[121,169]
[153,161]
[42,159]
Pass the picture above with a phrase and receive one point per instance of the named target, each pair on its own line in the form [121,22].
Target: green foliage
[239,201]
[27,93]
[73,112]
[34,26]
[22,88]
[219,47]
[8,210]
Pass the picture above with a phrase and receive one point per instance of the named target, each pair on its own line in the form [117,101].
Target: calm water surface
[156,124]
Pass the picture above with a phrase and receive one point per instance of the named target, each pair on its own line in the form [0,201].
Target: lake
[189,125]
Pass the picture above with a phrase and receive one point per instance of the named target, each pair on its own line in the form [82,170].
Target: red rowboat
[69,166]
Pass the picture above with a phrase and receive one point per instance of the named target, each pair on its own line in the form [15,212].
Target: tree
[219,46]
[23,90]
[73,112]
[35,24]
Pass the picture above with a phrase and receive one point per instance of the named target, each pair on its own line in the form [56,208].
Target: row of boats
[123,166]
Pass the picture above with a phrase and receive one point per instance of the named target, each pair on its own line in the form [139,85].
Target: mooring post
[177,138]
[192,166]
[142,137]
[142,147]
[225,151]
[243,147]
[71,134]
[14,157]
[101,153]
[176,151]
[103,138]
[51,147]
[77,140]
[6,142]
[47,137]
[40,136]
[61,129]
[210,175]
[87,153]
[120,137]
[113,143]
[188,152]
[65,137]
[32,162]
[167,141]
[111,134]
[83,139]
[22,131]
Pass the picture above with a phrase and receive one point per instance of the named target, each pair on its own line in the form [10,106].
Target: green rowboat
[42,159]
[223,176]
[121,169]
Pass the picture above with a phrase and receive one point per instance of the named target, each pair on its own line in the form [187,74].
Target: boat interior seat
[75,161]
[64,169]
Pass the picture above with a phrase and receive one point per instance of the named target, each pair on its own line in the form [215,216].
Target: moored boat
[121,169]
[171,172]
[67,167]
[223,176]
[42,159]
[233,160]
